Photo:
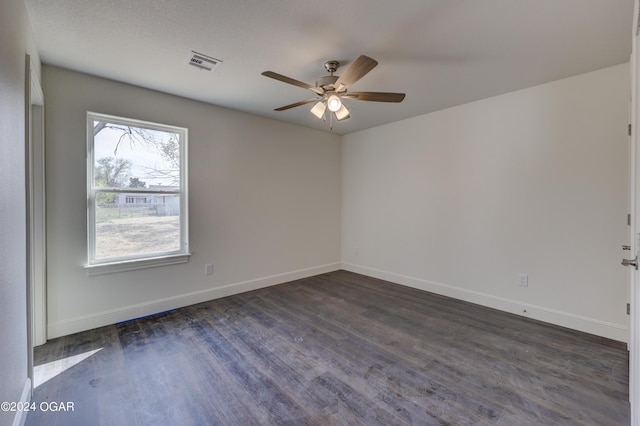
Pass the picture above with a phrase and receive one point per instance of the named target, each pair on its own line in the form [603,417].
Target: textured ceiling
[439,52]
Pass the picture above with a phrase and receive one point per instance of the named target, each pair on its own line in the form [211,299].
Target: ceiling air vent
[203,62]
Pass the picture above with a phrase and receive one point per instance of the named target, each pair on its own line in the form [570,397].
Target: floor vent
[203,62]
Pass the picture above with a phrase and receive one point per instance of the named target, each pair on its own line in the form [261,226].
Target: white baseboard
[576,322]
[25,399]
[88,322]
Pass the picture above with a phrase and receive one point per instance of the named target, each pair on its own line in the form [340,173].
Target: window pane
[136,224]
[135,157]
[137,190]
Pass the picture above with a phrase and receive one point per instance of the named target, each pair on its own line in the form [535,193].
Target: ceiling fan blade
[376,96]
[297,104]
[293,81]
[358,69]
[342,113]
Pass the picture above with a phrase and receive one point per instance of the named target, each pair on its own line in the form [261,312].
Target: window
[136,194]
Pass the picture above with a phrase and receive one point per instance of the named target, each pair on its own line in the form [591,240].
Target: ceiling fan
[331,90]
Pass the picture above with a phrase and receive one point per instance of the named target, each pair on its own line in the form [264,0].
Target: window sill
[132,265]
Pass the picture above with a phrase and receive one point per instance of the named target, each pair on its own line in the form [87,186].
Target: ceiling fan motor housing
[326,81]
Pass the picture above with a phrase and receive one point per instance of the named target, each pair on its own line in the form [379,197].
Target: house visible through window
[137,192]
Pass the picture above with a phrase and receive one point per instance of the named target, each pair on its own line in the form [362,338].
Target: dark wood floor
[336,349]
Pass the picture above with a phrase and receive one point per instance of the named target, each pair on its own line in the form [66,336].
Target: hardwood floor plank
[335,349]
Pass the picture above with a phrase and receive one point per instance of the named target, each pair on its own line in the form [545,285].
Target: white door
[634,205]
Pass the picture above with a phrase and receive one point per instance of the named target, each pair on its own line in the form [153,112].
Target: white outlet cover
[523,280]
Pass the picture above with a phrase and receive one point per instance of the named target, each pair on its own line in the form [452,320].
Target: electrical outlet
[523,280]
[208,269]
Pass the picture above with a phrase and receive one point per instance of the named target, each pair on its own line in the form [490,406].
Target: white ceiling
[441,53]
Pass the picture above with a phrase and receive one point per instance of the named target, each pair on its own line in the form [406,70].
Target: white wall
[264,203]
[461,201]
[458,202]
[15,41]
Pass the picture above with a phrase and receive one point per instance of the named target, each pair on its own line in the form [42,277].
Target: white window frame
[132,262]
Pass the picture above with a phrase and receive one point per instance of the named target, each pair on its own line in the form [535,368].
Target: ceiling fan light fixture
[319,109]
[342,113]
[334,103]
